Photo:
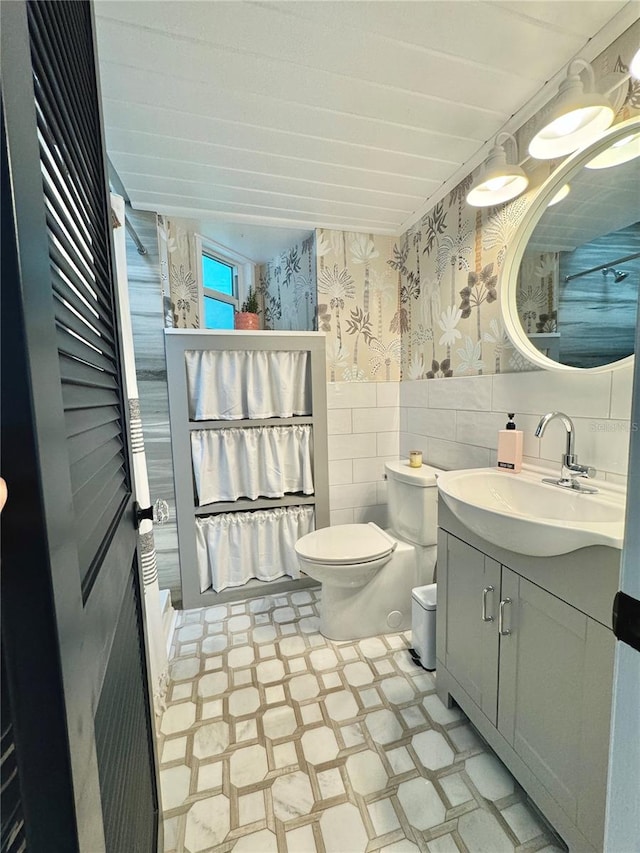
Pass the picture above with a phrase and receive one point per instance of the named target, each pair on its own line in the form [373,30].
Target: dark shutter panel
[123,737]
[12,830]
[78,220]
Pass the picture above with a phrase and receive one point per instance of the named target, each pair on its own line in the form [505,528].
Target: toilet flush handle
[393,542]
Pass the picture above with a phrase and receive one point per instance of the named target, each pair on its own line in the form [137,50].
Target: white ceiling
[352,115]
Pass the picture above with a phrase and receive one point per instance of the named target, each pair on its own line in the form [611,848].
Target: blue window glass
[217,276]
[217,314]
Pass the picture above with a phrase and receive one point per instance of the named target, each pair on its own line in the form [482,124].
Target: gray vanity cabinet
[534,674]
[469,637]
[555,697]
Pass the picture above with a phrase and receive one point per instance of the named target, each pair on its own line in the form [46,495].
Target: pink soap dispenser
[510,442]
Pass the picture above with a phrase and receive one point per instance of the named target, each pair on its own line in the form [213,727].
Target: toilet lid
[345,543]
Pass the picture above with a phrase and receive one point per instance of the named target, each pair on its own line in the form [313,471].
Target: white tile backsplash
[478,428]
[351,395]
[462,392]
[601,439]
[455,423]
[482,428]
[578,394]
[616,479]
[341,516]
[411,441]
[340,472]
[370,470]
[621,392]
[339,422]
[439,423]
[380,420]
[353,495]
[414,393]
[377,514]
[388,394]
[451,454]
[387,444]
[353,446]
[364,423]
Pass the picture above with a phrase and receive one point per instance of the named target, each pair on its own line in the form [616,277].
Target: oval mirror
[570,281]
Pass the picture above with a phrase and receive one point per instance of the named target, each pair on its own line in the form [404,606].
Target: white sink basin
[522,514]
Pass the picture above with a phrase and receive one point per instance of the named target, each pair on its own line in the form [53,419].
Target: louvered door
[73,182]
[72,616]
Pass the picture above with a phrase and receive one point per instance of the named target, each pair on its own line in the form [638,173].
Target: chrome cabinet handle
[485,593]
[501,628]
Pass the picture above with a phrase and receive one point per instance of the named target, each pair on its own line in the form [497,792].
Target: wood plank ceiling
[351,115]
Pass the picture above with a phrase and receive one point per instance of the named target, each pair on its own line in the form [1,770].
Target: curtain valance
[234,547]
[236,384]
[253,462]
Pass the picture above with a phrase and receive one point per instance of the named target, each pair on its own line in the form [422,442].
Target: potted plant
[247,318]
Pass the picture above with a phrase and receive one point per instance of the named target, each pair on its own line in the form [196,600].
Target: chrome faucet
[569,458]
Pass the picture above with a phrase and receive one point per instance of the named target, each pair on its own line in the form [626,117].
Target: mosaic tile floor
[276,739]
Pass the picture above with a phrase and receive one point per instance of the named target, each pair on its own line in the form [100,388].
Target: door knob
[158,513]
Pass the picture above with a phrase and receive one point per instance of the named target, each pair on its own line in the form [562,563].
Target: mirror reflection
[579,275]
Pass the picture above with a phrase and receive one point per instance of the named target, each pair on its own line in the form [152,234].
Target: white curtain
[230,385]
[252,462]
[232,548]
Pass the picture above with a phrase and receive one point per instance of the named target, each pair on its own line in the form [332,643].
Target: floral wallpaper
[359,306]
[449,266]
[537,294]
[178,268]
[287,289]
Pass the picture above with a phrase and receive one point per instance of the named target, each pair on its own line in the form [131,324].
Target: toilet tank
[412,497]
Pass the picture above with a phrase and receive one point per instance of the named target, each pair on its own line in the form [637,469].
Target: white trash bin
[423,624]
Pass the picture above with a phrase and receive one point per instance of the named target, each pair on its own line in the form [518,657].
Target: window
[219,285]
[224,279]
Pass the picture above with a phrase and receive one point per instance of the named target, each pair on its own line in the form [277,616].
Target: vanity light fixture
[625,149]
[563,192]
[499,181]
[576,118]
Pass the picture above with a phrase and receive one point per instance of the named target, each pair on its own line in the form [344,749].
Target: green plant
[250,305]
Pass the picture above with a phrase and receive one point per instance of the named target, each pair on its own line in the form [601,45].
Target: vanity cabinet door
[468,596]
[556,669]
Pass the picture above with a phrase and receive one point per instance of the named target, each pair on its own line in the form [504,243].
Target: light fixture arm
[506,135]
[575,117]
[585,66]
[499,180]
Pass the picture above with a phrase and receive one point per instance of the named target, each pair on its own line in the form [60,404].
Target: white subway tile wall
[364,429]
[455,421]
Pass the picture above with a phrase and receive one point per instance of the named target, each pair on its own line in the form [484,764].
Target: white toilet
[367,573]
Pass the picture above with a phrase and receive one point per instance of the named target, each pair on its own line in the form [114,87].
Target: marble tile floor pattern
[276,739]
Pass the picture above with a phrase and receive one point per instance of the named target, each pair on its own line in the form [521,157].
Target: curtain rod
[603,266]
[118,187]
[134,235]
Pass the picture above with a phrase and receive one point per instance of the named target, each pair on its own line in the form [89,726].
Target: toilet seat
[345,544]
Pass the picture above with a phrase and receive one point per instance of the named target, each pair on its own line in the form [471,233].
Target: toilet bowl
[367,573]
[364,573]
